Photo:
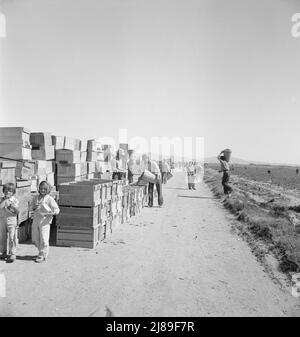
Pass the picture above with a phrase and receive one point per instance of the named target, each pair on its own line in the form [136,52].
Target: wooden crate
[78,217]
[24,169]
[70,144]
[83,193]
[91,145]
[5,164]
[68,170]
[83,145]
[68,156]
[78,237]
[15,151]
[77,144]
[43,167]
[58,142]
[15,135]
[7,175]
[40,139]
[43,153]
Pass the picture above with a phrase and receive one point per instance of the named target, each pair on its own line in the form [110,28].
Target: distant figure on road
[165,169]
[191,175]
[297,171]
[225,169]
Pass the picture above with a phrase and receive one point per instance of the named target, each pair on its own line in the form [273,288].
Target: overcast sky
[227,71]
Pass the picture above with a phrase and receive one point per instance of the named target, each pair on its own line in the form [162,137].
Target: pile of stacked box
[91,204]
[87,211]
[78,220]
[70,158]
[95,156]
[26,160]
[90,210]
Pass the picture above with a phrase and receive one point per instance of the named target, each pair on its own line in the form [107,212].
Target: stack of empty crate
[81,208]
[70,156]
[43,154]
[15,149]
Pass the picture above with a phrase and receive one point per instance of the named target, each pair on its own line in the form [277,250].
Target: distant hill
[239,161]
[233,160]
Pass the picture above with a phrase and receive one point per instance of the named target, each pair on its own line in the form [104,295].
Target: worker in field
[152,166]
[224,158]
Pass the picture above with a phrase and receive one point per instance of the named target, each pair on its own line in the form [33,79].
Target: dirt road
[179,260]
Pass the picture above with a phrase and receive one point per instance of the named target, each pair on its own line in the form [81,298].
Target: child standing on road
[44,209]
[9,210]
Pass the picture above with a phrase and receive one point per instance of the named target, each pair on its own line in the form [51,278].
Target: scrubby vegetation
[265,217]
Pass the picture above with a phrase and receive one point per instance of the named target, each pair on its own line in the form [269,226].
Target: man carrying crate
[153,167]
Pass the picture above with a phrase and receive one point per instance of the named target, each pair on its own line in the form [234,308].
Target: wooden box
[58,142]
[70,144]
[40,139]
[85,194]
[78,216]
[68,156]
[69,170]
[14,151]
[7,175]
[15,135]
[83,145]
[91,145]
[43,153]
[78,236]
[77,144]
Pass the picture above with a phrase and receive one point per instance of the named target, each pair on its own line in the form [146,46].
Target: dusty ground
[180,260]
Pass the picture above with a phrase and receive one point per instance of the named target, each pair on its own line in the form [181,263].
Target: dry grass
[264,219]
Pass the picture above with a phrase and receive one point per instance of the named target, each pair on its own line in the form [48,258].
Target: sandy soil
[179,260]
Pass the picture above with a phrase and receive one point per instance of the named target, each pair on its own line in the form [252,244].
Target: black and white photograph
[149,161]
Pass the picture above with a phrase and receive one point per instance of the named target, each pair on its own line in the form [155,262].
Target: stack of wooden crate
[116,203]
[15,149]
[70,164]
[78,220]
[43,151]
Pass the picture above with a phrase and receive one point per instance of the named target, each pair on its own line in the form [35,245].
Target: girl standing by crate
[9,210]
[44,209]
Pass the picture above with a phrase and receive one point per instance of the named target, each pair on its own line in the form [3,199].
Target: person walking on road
[191,175]
[224,161]
[165,169]
[153,167]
